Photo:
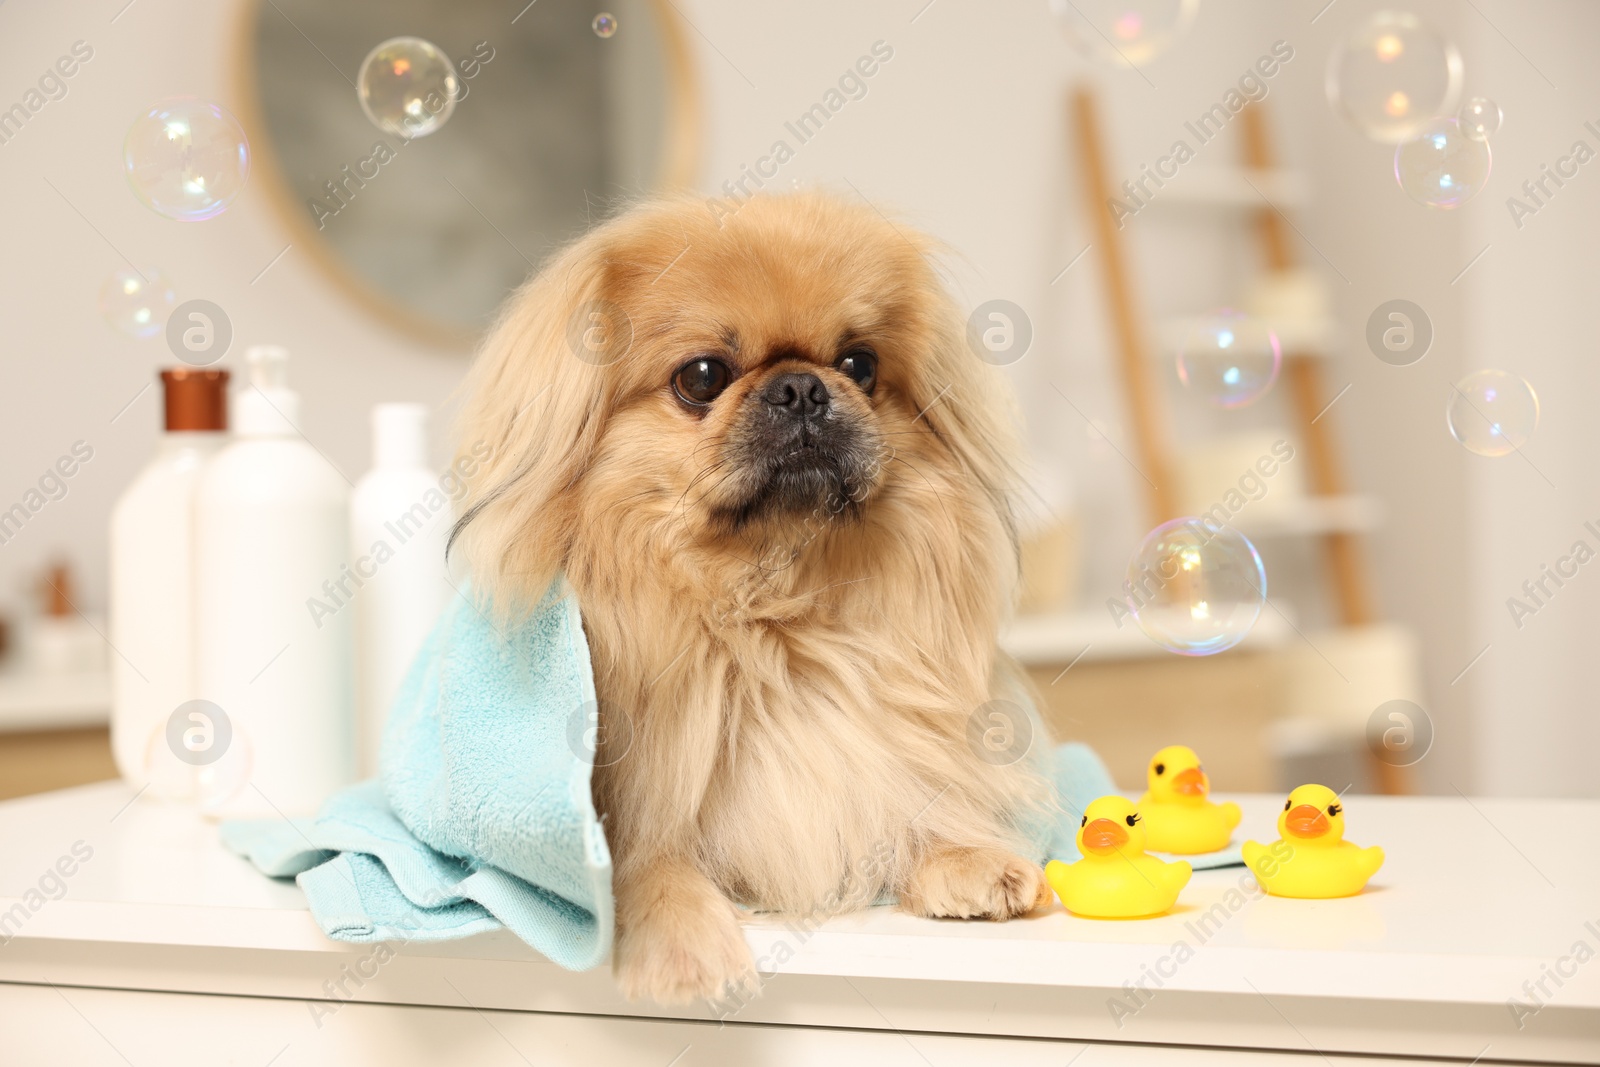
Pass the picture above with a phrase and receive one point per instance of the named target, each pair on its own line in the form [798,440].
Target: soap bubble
[186,159]
[1480,118]
[1230,359]
[137,303]
[166,774]
[220,781]
[1492,413]
[1442,166]
[408,86]
[1392,75]
[1125,31]
[1196,588]
[605,24]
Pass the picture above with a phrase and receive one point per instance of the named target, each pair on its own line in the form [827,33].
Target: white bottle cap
[267,407]
[400,435]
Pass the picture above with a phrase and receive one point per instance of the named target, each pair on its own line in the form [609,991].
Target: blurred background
[1395,554]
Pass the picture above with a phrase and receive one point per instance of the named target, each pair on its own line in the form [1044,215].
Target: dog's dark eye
[1161,768]
[1132,820]
[860,365]
[701,381]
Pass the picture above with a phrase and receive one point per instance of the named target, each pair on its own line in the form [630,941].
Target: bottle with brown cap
[62,640]
[152,587]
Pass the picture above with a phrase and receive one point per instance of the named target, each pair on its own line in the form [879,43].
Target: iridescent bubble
[605,24]
[1230,359]
[1196,588]
[167,775]
[186,159]
[137,303]
[1442,166]
[1480,118]
[1492,413]
[1393,75]
[408,86]
[1125,31]
[224,778]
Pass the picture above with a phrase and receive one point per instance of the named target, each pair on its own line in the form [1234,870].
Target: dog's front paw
[974,883]
[684,950]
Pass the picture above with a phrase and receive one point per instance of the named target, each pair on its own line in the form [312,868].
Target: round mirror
[557,114]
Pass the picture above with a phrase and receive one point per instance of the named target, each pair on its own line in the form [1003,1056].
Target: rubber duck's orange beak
[1104,836]
[1191,783]
[1306,821]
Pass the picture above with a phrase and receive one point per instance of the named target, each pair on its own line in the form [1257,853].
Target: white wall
[964,133]
[1530,307]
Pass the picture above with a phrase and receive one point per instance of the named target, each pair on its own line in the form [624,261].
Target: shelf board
[1089,635]
[53,701]
[1296,336]
[1311,516]
[1230,187]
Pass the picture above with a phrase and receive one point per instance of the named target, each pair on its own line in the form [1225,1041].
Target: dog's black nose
[797,394]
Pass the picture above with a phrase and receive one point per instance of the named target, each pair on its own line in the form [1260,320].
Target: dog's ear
[537,400]
[964,401]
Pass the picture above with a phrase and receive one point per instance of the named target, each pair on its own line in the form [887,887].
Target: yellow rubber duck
[1115,879]
[1312,859]
[1178,816]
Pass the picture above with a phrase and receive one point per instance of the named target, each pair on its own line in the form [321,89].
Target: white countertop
[1476,898]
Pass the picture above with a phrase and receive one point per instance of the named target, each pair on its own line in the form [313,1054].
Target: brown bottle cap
[56,590]
[196,398]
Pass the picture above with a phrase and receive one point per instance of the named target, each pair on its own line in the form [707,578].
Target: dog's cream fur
[784,704]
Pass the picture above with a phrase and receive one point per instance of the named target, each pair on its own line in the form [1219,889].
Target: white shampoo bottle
[399,522]
[271,530]
[152,587]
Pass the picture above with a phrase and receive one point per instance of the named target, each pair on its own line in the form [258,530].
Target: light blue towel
[484,817]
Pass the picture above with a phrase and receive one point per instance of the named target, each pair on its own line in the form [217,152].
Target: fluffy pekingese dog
[760,451]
